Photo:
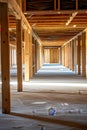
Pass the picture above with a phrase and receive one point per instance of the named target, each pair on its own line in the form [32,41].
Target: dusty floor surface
[52,86]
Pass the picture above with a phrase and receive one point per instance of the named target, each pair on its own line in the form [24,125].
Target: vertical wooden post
[35,56]
[30,55]
[78,55]
[5,64]
[72,47]
[60,55]
[75,55]
[26,39]
[0,51]
[40,55]
[10,49]
[54,4]
[76,4]
[58,5]
[63,55]
[66,55]
[84,54]
[19,54]
[24,5]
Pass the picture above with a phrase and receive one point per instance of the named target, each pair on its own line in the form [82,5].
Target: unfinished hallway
[43,64]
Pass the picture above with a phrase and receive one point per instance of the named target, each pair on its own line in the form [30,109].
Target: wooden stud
[60,55]
[54,4]
[19,54]
[40,47]
[26,39]
[69,54]
[58,5]
[72,56]
[30,54]
[75,55]
[38,57]
[5,64]
[63,55]
[35,56]
[24,6]
[86,53]
[78,55]
[83,54]
[76,4]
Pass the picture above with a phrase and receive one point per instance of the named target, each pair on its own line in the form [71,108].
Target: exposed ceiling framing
[54,22]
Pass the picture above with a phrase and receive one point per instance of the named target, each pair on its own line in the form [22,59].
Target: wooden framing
[84,54]
[30,55]
[76,4]
[78,55]
[58,5]
[5,65]
[72,56]
[20,3]
[19,54]
[54,4]
[26,53]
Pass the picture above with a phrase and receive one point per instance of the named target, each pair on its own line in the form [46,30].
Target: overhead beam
[18,12]
[71,18]
[54,12]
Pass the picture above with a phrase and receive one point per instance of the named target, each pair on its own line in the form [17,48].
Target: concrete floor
[52,86]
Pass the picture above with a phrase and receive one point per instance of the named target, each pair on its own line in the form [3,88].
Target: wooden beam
[26,53]
[19,54]
[40,47]
[5,65]
[71,18]
[24,5]
[84,54]
[76,4]
[30,55]
[19,3]
[72,55]
[54,4]
[14,7]
[79,54]
[58,5]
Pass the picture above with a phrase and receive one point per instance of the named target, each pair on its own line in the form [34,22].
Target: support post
[19,54]
[30,54]
[40,47]
[72,47]
[26,39]
[78,55]
[5,64]
[83,54]
[54,4]
[86,53]
[58,5]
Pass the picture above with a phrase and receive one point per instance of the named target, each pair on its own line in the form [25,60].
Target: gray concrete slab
[52,86]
